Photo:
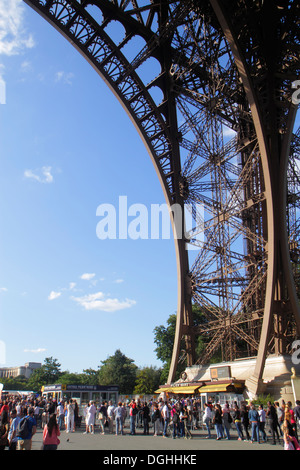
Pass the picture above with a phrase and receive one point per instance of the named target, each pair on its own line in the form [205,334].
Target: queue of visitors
[176,418]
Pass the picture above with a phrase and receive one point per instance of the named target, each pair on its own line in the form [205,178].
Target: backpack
[23,428]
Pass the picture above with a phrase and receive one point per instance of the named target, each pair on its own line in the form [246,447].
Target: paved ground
[139,442]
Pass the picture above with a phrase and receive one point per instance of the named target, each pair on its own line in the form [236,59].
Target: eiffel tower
[217,116]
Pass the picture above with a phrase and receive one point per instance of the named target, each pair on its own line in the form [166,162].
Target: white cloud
[3,289]
[64,77]
[72,285]
[119,281]
[227,132]
[35,351]
[54,295]
[87,276]
[13,36]
[42,176]
[98,301]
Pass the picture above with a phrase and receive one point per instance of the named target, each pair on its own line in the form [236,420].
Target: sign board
[218,373]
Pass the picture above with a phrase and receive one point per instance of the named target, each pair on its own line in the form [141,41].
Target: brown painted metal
[222,63]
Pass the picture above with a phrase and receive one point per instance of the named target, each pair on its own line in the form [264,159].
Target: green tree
[70,378]
[49,373]
[164,339]
[147,381]
[118,370]
[15,383]
[90,376]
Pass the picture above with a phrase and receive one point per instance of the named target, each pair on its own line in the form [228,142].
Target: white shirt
[166,412]
[110,411]
[262,415]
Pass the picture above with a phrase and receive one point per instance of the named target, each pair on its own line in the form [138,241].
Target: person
[273,420]
[297,412]
[175,421]
[146,418]
[4,429]
[119,411]
[227,420]
[254,421]
[132,416]
[90,418]
[218,422]
[102,417]
[4,407]
[110,417]
[290,441]
[37,413]
[66,415]
[166,418]
[60,415]
[292,419]
[245,420]
[280,416]
[12,434]
[207,419]
[262,422]
[25,441]
[51,433]
[238,422]
[70,416]
[77,420]
[156,420]
[182,418]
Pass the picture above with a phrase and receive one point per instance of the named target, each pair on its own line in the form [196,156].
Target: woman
[218,422]
[51,433]
[292,420]
[238,422]
[290,442]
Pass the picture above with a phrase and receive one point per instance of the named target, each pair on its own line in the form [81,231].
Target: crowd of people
[176,418]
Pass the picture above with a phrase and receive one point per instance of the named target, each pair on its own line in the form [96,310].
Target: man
[132,414]
[110,417]
[25,441]
[262,422]
[146,418]
[119,416]
[70,416]
[12,435]
[60,415]
[166,417]
[102,417]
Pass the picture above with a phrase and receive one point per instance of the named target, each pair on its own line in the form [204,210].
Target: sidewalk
[111,442]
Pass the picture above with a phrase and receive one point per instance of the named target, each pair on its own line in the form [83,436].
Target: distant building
[25,370]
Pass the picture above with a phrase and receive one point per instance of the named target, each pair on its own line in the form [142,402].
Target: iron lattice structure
[215,112]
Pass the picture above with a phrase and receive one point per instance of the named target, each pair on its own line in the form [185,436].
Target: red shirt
[53,439]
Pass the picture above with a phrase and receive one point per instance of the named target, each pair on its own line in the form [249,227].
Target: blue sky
[67,146]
